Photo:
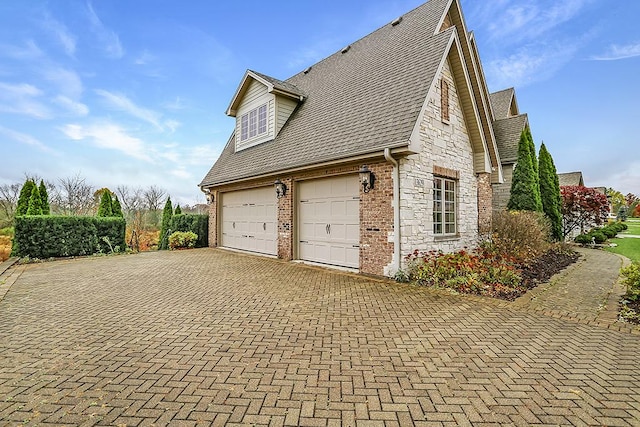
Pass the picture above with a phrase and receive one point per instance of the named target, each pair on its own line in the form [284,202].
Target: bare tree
[133,207]
[9,194]
[75,196]
[154,198]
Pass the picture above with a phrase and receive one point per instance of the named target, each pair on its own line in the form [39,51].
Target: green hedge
[60,236]
[198,224]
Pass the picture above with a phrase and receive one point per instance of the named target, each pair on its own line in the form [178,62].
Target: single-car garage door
[329,221]
[249,220]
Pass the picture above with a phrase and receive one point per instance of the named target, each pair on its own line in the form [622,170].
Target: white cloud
[68,82]
[616,52]
[23,138]
[61,33]
[180,173]
[72,106]
[22,99]
[144,58]
[29,50]
[175,105]
[109,38]
[109,136]
[121,102]
[172,125]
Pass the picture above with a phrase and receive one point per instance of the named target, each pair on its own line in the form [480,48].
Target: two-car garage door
[327,218]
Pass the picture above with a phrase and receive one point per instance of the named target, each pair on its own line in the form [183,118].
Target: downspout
[396,209]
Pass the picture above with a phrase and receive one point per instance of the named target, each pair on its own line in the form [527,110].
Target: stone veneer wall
[444,146]
[502,192]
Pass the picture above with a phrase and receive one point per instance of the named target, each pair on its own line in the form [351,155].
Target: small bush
[610,232]
[624,226]
[598,236]
[583,239]
[522,235]
[197,224]
[631,276]
[182,240]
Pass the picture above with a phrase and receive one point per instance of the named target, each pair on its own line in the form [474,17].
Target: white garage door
[249,220]
[329,221]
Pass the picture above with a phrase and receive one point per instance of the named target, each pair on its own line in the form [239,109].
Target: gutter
[396,209]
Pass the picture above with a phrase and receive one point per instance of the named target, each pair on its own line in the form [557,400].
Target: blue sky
[134,92]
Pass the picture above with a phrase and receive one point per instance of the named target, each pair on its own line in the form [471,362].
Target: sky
[134,92]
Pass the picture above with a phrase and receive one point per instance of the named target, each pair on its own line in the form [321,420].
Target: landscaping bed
[544,267]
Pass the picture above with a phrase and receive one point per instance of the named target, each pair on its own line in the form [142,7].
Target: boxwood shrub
[44,236]
[198,224]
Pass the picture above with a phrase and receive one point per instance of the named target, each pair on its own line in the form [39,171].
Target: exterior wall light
[281,188]
[367,178]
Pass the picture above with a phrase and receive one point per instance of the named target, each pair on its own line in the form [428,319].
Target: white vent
[346,49]
[396,21]
[306,70]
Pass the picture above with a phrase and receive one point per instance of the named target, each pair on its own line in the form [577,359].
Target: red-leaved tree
[582,208]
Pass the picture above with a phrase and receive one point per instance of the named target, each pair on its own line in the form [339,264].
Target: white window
[253,123]
[444,206]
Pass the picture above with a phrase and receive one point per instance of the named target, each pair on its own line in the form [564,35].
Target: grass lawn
[628,247]
[634,227]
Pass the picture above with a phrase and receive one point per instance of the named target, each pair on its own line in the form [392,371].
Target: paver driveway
[206,336]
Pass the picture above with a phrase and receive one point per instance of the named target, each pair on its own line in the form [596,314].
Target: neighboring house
[570,178]
[507,127]
[407,103]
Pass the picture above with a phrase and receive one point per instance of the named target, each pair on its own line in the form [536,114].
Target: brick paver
[588,290]
[207,337]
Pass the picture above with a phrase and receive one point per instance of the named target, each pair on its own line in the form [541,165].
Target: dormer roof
[504,103]
[273,85]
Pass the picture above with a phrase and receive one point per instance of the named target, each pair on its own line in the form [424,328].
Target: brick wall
[285,221]
[376,222]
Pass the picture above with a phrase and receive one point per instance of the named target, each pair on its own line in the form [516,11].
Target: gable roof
[570,178]
[507,133]
[501,102]
[357,101]
[273,86]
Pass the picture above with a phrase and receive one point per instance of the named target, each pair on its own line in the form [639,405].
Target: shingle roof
[507,132]
[279,84]
[364,100]
[501,103]
[570,178]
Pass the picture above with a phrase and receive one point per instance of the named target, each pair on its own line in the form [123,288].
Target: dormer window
[253,123]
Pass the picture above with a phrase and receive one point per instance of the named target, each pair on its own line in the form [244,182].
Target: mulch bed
[541,270]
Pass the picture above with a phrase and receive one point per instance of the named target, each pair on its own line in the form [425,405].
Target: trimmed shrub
[198,224]
[598,236]
[105,209]
[35,202]
[61,236]
[44,196]
[583,239]
[165,228]
[23,199]
[182,240]
[609,232]
[550,192]
[116,208]
[525,186]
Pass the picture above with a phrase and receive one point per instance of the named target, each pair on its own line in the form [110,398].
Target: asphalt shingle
[507,132]
[361,101]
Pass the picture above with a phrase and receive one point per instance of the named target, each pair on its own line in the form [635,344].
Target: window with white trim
[253,123]
[444,206]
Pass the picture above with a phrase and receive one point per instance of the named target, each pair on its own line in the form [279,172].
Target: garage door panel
[249,220]
[329,222]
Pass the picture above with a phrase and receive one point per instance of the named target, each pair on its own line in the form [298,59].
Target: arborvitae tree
[105,209]
[116,208]
[44,196]
[550,192]
[525,192]
[35,202]
[178,210]
[23,199]
[167,213]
